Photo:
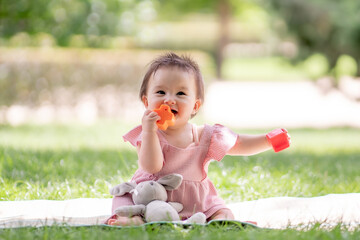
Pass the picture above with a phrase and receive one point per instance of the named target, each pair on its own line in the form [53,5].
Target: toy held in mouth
[167,118]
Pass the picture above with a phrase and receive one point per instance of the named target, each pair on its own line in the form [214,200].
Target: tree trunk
[224,13]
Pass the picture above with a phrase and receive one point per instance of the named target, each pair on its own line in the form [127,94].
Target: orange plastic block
[167,118]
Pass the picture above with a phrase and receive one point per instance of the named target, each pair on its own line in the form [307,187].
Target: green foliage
[33,76]
[346,66]
[138,23]
[327,27]
[316,66]
[169,10]
[330,28]
[62,18]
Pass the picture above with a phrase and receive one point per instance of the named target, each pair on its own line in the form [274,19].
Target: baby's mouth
[174,112]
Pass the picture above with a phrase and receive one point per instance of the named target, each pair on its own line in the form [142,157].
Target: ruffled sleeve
[134,136]
[222,140]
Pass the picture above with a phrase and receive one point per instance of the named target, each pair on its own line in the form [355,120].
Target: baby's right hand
[149,121]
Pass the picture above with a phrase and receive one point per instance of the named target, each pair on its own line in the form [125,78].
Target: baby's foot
[126,221]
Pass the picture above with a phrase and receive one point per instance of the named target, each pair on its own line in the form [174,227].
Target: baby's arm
[149,152]
[249,145]
[278,139]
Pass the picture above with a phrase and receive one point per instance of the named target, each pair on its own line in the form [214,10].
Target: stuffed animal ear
[171,181]
[122,188]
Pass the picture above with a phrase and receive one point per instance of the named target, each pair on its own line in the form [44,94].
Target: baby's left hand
[149,121]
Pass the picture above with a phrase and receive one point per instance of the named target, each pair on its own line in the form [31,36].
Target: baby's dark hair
[171,59]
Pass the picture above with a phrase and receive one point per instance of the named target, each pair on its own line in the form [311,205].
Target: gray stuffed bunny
[150,198]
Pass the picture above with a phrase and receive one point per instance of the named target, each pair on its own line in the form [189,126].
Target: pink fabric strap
[195,134]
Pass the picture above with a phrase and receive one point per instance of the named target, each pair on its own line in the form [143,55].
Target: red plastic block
[279,139]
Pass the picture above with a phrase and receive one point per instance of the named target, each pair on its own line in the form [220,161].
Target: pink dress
[197,193]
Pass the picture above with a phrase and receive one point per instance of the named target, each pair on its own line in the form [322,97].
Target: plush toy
[150,198]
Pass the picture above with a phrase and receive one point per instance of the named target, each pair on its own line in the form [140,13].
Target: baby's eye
[160,92]
[181,93]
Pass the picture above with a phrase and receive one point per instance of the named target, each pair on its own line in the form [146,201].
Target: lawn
[72,160]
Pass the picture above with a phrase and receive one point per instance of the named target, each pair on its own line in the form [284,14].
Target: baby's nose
[169,101]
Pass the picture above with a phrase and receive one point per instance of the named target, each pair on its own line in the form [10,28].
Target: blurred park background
[70,71]
[266,63]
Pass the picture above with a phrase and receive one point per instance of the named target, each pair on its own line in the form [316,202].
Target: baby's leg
[125,200]
[126,221]
[223,214]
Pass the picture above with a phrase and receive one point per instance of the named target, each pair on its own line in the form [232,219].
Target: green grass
[261,69]
[169,233]
[73,161]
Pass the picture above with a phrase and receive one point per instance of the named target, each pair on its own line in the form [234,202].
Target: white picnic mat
[277,212]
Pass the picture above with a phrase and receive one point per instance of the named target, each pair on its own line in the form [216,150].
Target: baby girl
[183,148]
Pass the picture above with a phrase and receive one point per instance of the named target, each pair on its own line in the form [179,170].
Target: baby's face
[177,89]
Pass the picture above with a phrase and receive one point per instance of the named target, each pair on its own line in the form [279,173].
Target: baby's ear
[145,101]
[122,188]
[171,181]
[196,106]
